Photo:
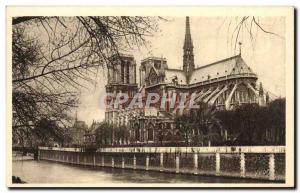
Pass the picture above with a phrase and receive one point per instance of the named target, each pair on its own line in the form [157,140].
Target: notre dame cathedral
[223,84]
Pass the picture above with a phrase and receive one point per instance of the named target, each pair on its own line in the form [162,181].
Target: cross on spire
[240,48]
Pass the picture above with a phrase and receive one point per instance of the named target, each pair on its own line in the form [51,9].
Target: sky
[213,39]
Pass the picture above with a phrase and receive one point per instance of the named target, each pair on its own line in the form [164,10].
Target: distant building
[77,132]
[223,84]
[90,134]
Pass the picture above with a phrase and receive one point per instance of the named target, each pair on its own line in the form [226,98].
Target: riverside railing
[258,162]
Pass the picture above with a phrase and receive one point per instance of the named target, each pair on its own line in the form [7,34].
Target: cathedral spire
[188,38]
[188,54]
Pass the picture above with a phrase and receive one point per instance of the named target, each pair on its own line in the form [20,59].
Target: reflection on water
[51,172]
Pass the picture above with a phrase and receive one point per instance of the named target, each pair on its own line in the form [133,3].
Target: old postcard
[150,97]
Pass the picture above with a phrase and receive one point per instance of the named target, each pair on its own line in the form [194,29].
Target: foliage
[248,124]
[107,134]
[161,133]
[196,125]
[254,125]
[104,134]
[185,125]
[121,134]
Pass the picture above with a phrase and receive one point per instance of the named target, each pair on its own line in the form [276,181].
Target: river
[32,171]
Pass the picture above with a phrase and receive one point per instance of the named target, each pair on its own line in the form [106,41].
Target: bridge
[26,150]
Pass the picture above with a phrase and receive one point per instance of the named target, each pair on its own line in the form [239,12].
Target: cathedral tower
[188,53]
[121,78]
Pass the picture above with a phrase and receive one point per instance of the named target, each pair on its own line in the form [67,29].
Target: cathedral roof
[230,66]
[227,67]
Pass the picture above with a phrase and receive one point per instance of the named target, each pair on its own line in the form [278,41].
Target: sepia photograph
[150,97]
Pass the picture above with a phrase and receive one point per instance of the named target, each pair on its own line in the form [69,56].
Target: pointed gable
[241,67]
[152,77]
[153,72]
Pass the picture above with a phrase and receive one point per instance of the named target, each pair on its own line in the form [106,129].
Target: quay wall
[257,162]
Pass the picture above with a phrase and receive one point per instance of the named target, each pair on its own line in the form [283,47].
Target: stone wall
[266,162]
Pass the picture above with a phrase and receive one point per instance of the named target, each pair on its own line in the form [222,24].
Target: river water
[32,171]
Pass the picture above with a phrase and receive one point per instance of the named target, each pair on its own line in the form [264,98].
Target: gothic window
[241,97]
[122,72]
[247,96]
[150,134]
[137,134]
[127,73]
[142,135]
[153,79]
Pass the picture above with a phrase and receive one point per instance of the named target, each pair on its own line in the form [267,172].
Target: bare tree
[251,25]
[53,57]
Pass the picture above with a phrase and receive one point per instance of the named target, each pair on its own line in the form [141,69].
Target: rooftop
[154,58]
